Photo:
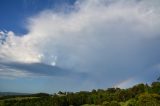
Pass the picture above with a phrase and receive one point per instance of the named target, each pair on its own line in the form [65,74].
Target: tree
[137,89]
[149,100]
[132,102]
[158,79]
[105,103]
[155,87]
[114,103]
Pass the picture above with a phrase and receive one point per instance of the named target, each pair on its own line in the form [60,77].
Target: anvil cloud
[111,42]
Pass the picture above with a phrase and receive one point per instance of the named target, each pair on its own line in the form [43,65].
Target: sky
[76,45]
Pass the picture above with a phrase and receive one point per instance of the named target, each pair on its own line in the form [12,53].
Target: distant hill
[12,93]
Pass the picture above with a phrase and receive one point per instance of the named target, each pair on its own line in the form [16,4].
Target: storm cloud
[112,42]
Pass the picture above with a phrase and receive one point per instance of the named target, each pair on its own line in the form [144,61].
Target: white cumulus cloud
[100,37]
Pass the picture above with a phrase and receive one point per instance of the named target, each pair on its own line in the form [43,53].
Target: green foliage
[138,95]
[105,103]
[149,100]
[155,87]
[132,102]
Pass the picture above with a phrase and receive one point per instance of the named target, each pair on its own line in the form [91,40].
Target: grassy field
[21,98]
[17,99]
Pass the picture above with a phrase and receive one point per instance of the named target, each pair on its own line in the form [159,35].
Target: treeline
[138,95]
[24,95]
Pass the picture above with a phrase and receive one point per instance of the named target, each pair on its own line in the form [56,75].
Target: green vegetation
[138,95]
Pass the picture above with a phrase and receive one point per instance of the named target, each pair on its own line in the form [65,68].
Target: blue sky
[14,13]
[68,45]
